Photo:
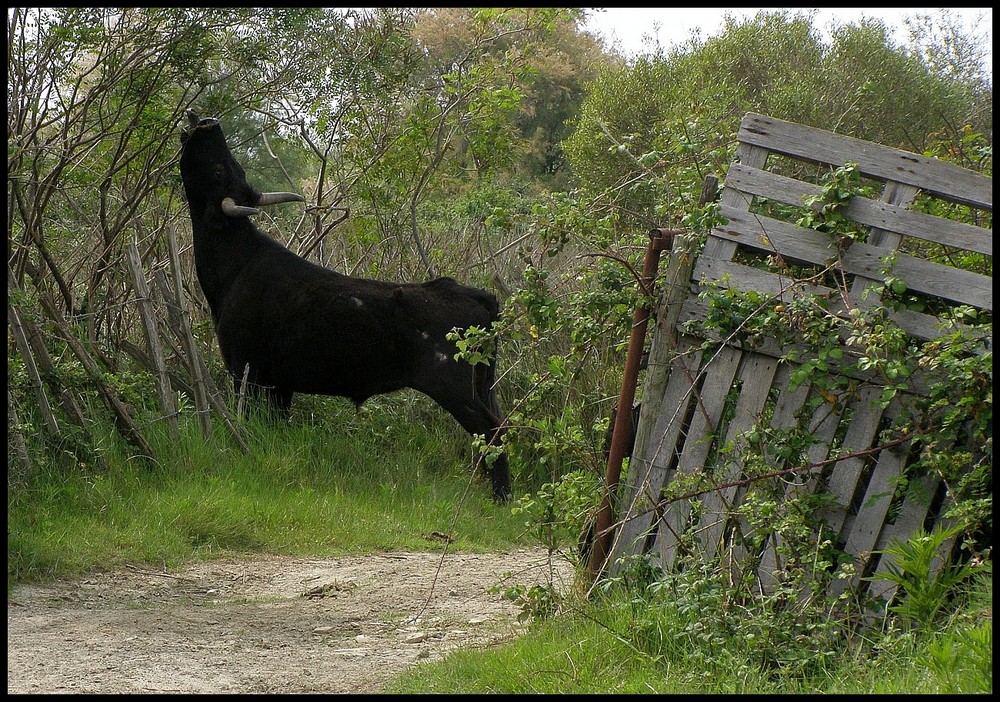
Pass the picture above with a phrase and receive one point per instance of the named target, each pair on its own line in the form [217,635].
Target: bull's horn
[278,198]
[234,210]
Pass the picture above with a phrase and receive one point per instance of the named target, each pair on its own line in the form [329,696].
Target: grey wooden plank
[822,424]
[720,371]
[844,475]
[863,532]
[757,373]
[729,274]
[768,235]
[873,213]
[932,175]
[664,341]
[895,194]
[661,444]
[912,514]
[785,417]
[649,465]
[168,399]
[790,400]
[732,198]
[921,276]
[745,551]
[810,246]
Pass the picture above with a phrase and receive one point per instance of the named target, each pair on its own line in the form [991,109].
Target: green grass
[346,483]
[627,646]
[337,482]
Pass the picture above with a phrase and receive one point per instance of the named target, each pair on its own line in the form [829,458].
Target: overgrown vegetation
[505,147]
[679,637]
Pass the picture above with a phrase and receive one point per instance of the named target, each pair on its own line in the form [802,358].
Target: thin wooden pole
[168,401]
[187,337]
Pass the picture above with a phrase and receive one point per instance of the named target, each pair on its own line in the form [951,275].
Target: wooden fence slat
[912,515]
[650,463]
[197,364]
[663,346]
[202,405]
[946,180]
[746,544]
[668,430]
[752,156]
[862,532]
[883,215]
[719,374]
[757,374]
[16,436]
[786,412]
[46,366]
[822,424]
[797,244]
[168,402]
[20,334]
[845,474]
[926,277]
[728,274]
[24,348]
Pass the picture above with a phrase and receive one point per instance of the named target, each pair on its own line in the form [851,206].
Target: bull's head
[213,178]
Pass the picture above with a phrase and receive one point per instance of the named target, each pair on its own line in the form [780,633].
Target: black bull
[294,326]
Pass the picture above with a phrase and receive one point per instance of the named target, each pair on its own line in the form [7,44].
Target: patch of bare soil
[343,624]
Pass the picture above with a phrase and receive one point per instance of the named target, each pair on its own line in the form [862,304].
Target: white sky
[629,25]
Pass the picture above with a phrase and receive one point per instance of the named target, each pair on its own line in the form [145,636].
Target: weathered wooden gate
[695,401]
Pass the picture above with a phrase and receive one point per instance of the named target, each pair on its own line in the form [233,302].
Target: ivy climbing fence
[774,434]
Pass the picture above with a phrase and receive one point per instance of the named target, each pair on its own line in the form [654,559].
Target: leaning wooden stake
[123,421]
[187,338]
[196,365]
[21,341]
[20,444]
[168,402]
[17,329]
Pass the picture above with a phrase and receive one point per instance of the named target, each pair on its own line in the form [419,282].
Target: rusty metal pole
[659,240]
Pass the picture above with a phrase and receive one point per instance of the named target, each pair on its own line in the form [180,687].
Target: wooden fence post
[168,401]
[187,338]
[123,420]
[20,443]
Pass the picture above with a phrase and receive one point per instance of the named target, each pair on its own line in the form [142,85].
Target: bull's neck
[221,253]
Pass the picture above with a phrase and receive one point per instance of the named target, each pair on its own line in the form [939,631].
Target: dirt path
[269,625]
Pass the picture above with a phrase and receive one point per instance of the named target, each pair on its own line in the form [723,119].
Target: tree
[668,108]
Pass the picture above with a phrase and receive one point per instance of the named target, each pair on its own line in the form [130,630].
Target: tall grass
[330,481]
